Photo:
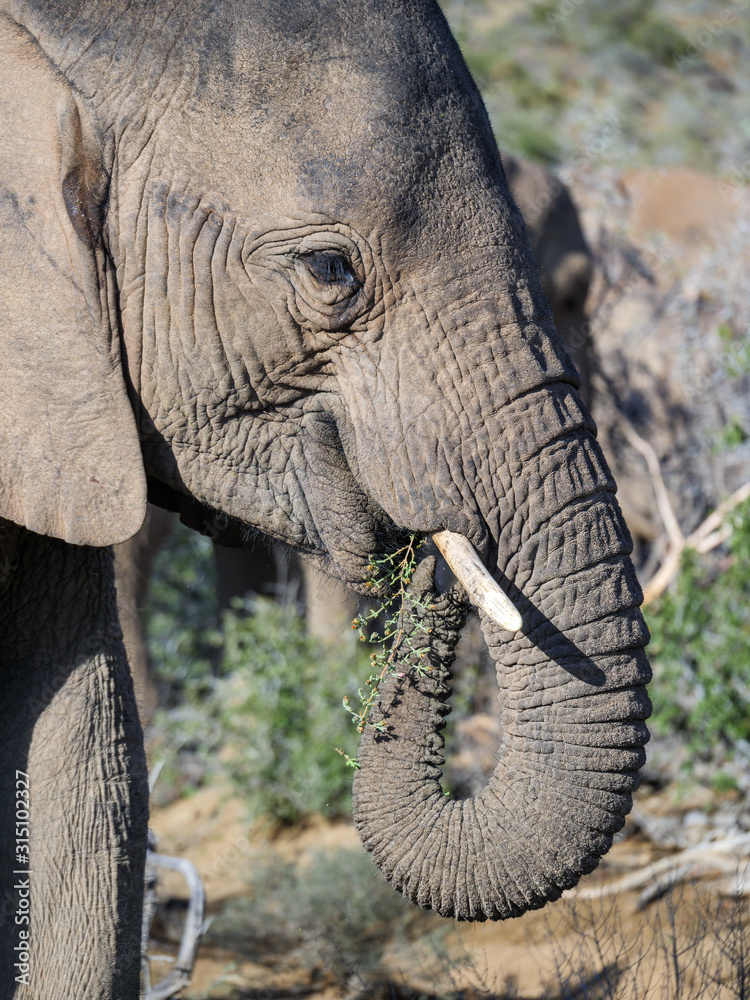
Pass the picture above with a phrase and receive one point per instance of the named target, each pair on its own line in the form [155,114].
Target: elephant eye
[330,279]
[331,269]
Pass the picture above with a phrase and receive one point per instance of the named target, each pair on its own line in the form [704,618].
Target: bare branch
[182,972]
[719,857]
[666,510]
[714,521]
[709,534]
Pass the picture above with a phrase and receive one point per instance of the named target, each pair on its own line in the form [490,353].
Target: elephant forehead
[269,51]
[360,111]
[336,105]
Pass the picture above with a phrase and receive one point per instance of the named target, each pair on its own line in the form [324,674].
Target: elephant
[261,265]
[566,264]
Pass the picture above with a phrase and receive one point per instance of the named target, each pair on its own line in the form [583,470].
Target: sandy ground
[209,829]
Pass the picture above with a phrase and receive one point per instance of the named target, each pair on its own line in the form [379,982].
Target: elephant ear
[70,460]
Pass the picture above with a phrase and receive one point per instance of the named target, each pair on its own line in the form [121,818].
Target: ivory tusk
[483,591]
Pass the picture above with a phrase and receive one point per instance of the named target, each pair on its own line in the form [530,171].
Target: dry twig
[717,857]
[666,511]
[195,927]
[709,534]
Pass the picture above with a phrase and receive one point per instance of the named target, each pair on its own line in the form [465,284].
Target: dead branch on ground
[729,856]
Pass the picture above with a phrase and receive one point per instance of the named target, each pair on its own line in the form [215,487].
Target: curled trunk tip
[551,807]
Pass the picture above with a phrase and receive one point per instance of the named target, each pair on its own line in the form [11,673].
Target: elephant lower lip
[484,592]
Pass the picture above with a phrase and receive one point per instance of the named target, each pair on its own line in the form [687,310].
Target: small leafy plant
[331,917]
[256,700]
[390,576]
[699,647]
[181,616]
[277,705]
[251,699]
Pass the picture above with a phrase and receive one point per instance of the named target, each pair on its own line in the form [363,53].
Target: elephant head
[262,263]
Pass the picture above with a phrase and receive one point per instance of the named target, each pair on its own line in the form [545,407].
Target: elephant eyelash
[329,268]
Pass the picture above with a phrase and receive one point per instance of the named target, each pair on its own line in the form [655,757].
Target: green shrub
[256,700]
[279,705]
[333,913]
[732,435]
[700,646]
[182,614]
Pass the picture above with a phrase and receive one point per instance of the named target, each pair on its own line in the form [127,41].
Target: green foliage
[182,614]
[554,72]
[530,135]
[722,781]
[732,435]
[278,708]
[700,637]
[390,576]
[733,363]
[737,359]
[256,700]
[634,23]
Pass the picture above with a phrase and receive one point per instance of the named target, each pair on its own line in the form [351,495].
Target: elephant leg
[73,780]
[133,564]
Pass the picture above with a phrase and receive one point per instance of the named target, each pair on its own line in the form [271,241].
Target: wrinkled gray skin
[265,255]
[566,266]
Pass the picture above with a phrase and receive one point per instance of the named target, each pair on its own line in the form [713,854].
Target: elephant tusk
[483,591]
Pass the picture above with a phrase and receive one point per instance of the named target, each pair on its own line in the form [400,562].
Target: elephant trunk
[573,704]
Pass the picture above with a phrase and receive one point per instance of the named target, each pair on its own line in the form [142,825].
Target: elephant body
[261,265]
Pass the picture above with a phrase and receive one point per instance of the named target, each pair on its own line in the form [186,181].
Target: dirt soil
[517,958]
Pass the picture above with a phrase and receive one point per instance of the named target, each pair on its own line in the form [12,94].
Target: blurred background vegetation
[248,695]
[671,90]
